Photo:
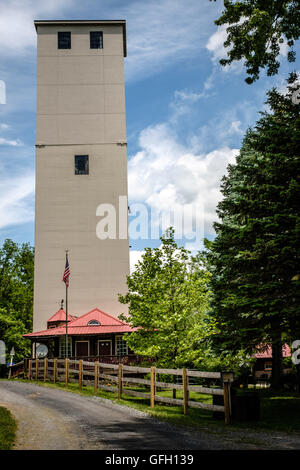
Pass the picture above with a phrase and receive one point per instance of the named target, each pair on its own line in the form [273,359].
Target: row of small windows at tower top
[64,40]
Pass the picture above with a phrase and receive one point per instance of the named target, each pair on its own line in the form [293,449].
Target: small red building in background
[94,335]
[262,368]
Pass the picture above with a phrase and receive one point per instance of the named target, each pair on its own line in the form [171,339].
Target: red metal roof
[265,351]
[81,330]
[96,314]
[60,315]
[79,326]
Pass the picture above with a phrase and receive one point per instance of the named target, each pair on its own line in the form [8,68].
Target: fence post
[152,387]
[226,402]
[66,371]
[120,380]
[36,369]
[80,374]
[54,370]
[96,377]
[185,391]
[29,369]
[45,369]
[227,379]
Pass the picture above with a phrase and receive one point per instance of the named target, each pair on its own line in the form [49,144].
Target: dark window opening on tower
[81,164]
[64,40]
[96,40]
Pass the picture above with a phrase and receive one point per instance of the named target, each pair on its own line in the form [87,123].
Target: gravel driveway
[53,419]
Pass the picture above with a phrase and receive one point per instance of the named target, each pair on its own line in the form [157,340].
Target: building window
[93,323]
[96,40]
[64,40]
[81,164]
[121,346]
[62,347]
[268,365]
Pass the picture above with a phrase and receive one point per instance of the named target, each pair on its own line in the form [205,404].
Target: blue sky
[186,115]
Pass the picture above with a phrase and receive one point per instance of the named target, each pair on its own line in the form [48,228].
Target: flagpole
[67,284]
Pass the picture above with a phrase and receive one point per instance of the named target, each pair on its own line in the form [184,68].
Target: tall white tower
[81,163]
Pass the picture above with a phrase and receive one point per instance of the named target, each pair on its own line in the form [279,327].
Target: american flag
[66,272]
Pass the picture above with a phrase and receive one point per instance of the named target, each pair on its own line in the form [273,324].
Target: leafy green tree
[12,330]
[16,295]
[255,259]
[256,29]
[167,297]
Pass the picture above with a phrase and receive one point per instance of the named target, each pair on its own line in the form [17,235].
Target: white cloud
[219,131]
[15,194]
[135,256]
[165,174]
[210,81]
[17,32]
[284,48]
[168,174]
[215,43]
[282,85]
[8,142]
[235,128]
[12,143]
[188,96]
[183,101]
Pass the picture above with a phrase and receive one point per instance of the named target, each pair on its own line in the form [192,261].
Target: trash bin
[218,400]
[246,406]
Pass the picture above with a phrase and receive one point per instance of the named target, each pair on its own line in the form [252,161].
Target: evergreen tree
[255,257]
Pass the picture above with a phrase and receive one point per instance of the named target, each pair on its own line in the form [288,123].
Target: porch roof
[103,323]
[79,330]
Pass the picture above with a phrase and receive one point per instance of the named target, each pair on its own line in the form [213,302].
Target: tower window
[81,164]
[96,40]
[64,40]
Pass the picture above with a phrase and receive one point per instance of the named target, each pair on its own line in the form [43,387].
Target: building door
[104,347]
[82,348]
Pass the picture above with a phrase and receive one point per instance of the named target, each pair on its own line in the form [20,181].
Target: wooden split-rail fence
[122,376]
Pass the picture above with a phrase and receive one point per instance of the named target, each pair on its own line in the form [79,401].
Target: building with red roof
[262,368]
[95,334]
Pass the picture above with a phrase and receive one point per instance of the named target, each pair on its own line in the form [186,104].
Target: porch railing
[131,359]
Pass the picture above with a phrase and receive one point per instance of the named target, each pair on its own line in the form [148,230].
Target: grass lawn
[7,429]
[279,412]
